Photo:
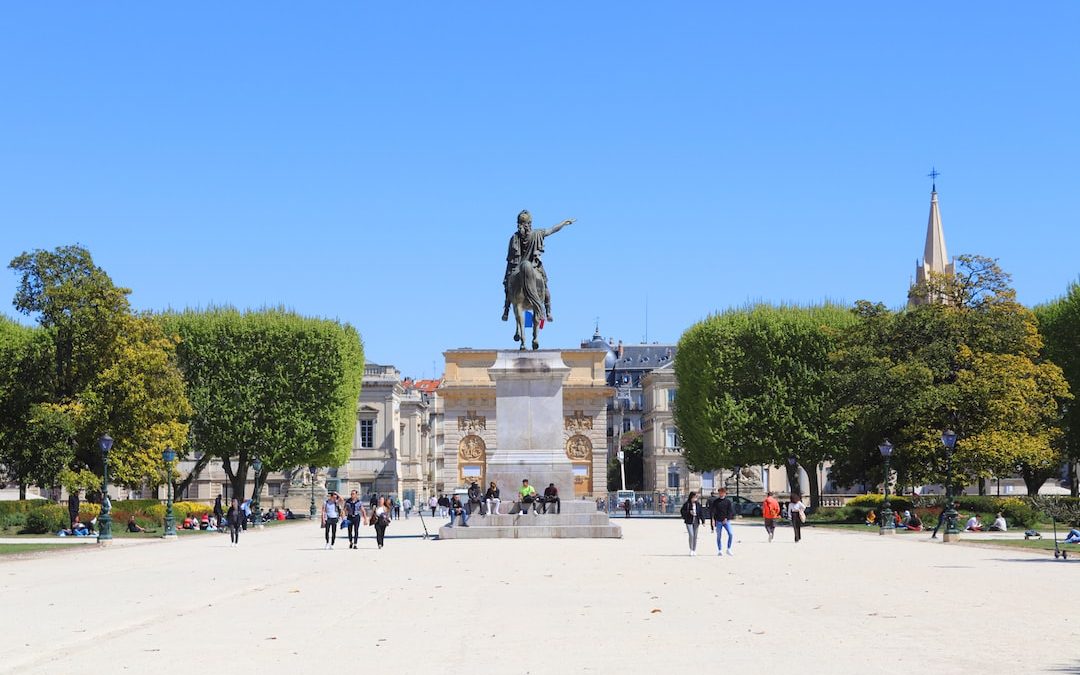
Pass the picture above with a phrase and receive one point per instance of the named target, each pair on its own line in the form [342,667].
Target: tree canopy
[98,368]
[1059,322]
[754,388]
[268,384]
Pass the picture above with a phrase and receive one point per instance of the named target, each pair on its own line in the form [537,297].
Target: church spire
[935,259]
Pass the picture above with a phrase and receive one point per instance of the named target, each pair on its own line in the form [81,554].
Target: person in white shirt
[973,524]
[797,513]
[999,524]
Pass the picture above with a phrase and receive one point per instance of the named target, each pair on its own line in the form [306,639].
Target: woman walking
[235,519]
[492,499]
[797,513]
[380,519]
[355,513]
[692,516]
[330,514]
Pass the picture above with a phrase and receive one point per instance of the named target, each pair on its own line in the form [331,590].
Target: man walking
[407,505]
[770,510]
[722,513]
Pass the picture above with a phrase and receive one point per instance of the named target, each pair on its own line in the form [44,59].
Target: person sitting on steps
[551,496]
[526,496]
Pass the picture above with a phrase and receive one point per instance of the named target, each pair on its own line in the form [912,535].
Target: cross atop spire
[934,173]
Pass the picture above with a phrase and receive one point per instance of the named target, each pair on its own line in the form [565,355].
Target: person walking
[355,514]
[381,520]
[626,507]
[433,504]
[407,505]
[770,511]
[797,513]
[492,499]
[722,513]
[235,519]
[330,514]
[693,515]
[444,505]
[397,507]
[708,510]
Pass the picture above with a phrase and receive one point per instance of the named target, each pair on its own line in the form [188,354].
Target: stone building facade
[471,424]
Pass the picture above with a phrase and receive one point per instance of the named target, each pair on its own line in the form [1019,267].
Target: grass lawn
[1044,544]
[8,549]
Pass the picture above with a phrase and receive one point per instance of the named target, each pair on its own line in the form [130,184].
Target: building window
[367,433]
[708,481]
[627,425]
[671,396]
[673,477]
[672,437]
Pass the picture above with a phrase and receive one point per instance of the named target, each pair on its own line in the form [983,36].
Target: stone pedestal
[950,538]
[529,410]
[577,520]
[298,499]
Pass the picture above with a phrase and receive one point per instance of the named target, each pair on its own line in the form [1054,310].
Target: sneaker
[464,524]
[720,553]
[729,552]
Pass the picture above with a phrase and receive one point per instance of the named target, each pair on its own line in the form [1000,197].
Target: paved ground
[839,602]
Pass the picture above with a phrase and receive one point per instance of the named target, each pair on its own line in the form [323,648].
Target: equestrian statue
[525,282]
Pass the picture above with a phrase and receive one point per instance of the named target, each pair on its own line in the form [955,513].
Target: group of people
[975,525]
[489,502]
[720,512]
[352,514]
[906,520]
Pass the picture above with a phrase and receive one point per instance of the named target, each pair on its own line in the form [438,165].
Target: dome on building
[597,342]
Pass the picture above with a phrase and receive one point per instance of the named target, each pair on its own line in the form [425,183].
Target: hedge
[21,506]
[46,519]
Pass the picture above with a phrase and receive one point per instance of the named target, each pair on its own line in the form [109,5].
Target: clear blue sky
[367,161]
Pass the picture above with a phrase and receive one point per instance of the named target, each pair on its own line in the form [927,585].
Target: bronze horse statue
[525,282]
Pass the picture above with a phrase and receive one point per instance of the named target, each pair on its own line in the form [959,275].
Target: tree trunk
[237,480]
[982,486]
[1033,480]
[792,474]
[815,490]
[1074,480]
[22,490]
[260,481]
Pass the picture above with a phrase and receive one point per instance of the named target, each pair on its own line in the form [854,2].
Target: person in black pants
[235,519]
[796,512]
[330,514]
[382,520]
[219,514]
[73,508]
[551,496]
[355,514]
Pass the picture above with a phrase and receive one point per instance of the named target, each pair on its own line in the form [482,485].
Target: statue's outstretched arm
[558,227]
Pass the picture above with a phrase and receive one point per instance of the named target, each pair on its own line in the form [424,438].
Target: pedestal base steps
[578,520]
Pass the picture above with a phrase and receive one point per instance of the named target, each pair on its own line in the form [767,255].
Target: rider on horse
[528,244]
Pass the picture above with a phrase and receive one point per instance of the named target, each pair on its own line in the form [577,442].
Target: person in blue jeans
[723,512]
[1073,537]
[456,509]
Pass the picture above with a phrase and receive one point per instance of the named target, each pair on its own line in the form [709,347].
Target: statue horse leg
[519,335]
[536,327]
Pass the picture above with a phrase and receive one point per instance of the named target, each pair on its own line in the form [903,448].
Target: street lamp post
[168,455]
[622,467]
[311,470]
[257,465]
[105,443]
[887,526]
[738,498]
[948,438]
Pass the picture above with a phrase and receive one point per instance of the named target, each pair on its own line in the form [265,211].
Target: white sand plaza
[838,602]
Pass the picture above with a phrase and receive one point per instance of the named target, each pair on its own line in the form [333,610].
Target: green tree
[1059,323]
[268,384]
[755,388]
[972,360]
[111,370]
[36,437]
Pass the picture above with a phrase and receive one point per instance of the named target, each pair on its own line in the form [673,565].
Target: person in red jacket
[770,510]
